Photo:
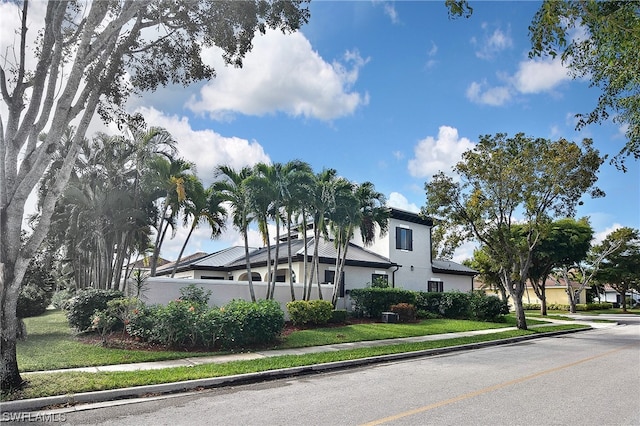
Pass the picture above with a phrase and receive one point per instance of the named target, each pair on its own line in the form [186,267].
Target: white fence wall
[160,290]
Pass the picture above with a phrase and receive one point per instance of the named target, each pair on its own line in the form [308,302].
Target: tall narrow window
[404,239]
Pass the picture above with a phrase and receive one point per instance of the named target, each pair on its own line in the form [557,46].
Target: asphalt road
[588,378]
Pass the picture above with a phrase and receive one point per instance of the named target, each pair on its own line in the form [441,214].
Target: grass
[49,384]
[51,345]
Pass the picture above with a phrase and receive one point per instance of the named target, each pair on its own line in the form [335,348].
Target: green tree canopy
[504,178]
[621,267]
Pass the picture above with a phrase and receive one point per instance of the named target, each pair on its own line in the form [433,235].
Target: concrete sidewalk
[119,394]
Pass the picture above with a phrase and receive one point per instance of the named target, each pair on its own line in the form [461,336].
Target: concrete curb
[216,382]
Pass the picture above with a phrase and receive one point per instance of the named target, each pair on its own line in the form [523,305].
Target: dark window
[379,277]
[404,239]
[435,286]
[209,277]
[329,277]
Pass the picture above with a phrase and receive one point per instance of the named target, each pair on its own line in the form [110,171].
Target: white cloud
[492,43]
[536,76]
[392,13]
[481,94]
[434,155]
[206,148]
[532,77]
[282,74]
[399,201]
[598,237]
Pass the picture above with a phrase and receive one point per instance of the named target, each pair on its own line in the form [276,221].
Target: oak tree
[513,182]
[85,58]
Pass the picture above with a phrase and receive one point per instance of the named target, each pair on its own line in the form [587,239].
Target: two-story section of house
[407,245]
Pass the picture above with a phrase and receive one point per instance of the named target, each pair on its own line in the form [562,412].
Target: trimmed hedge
[372,302]
[185,323]
[313,312]
[566,307]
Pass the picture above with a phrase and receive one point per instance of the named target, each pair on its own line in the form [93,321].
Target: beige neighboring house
[402,257]
[555,292]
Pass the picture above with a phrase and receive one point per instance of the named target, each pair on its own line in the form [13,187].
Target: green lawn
[51,345]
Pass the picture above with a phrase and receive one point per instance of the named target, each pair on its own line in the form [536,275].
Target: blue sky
[387,92]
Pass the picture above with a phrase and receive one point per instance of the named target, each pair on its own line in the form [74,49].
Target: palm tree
[321,201]
[203,206]
[233,190]
[296,177]
[167,179]
[364,208]
[261,192]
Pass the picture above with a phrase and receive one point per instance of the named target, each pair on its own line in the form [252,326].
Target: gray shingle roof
[450,267]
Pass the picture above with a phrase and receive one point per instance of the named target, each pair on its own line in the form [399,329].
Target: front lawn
[49,384]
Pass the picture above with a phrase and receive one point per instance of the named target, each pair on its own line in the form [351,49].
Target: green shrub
[598,306]
[103,322]
[406,311]
[83,305]
[195,294]
[37,290]
[557,307]
[61,298]
[372,302]
[142,322]
[176,324]
[422,314]
[428,304]
[455,304]
[245,323]
[316,312]
[339,316]
[532,306]
[487,308]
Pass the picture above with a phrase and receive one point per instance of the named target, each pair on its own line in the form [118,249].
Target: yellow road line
[489,389]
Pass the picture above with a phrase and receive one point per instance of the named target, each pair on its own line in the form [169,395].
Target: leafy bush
[422,314]
[372,302]
[195,294]
[487,308]
[532,306]
[61,298]
[598,306]
[36,292]
[455,304]
[339,316]
[83,305]
[380,282]
[245,323]
[176,324]
[316,312]
[142,322]
[406,311]
[429,302]
[103,322]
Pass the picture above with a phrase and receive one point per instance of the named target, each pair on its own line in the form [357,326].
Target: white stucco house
[402,257]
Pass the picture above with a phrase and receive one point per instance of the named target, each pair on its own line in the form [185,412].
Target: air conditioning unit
[390,317]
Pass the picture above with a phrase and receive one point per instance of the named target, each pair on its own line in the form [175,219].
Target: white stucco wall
[160,290]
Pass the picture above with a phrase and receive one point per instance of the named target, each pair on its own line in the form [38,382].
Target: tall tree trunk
[184,245]
[277,256]
[289,262]
[248,261]
[10,289]
[306,259]
[161,231]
